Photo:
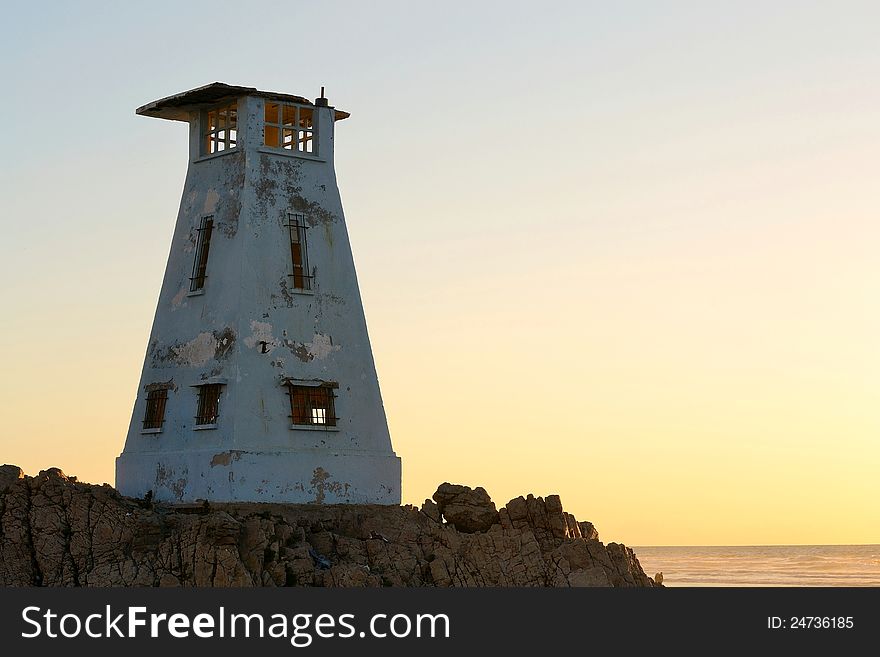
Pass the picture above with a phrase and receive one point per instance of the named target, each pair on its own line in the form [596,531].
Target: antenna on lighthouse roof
[322,101]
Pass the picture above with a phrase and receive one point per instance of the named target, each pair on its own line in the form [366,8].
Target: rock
[321,561]
[56,473]
[9,474]
[593,576]
[57,531]
[627,570]
[467,509]
[431,510]
[588,531]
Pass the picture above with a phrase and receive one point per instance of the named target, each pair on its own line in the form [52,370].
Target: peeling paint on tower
[259,380]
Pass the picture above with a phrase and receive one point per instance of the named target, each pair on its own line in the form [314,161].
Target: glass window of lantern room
[290,127]
[220,128]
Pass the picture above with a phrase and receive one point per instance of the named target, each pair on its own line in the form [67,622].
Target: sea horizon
[740,545]
[763,565]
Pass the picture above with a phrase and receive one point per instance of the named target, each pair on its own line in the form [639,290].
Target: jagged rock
[431,510]
[588,530]
[467,509]
[9,474]
[55,531]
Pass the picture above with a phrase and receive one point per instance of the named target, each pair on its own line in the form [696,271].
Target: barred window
[203,244]
[209,404]
[312,405]
[299,254]
[221,128]
[291,127]
[154,417]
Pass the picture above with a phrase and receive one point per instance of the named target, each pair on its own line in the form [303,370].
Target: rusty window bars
[312,405]
[203,244]
[299,253]
[209,404]
[154,417]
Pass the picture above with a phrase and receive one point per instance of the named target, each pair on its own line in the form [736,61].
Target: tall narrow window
[154,417]
[312,405]
[221,128]
[299,255]
[291,127]
[203,243]
[209,404]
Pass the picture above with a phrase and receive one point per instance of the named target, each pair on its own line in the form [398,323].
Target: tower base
[300,477]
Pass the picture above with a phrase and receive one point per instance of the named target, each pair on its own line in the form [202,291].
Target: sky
[623,252]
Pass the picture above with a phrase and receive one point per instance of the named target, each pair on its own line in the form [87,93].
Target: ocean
[764,565]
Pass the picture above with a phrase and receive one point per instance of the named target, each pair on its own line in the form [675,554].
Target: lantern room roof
[178,106]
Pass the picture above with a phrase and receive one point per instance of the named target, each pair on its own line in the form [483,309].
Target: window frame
[203,390]
[210,131]
[301,135]
[204,232]
[331,418]
[155,409]
[297,231]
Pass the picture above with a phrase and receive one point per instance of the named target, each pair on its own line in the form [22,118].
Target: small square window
[287,137]
[271,114]
[312,405]
[272,132]
[288,114]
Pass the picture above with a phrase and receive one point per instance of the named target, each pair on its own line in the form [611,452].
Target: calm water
[764,565]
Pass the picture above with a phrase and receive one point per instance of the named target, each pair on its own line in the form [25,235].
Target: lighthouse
[258,383]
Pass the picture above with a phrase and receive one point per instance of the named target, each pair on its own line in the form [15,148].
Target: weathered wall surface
[55,531]
[250,330]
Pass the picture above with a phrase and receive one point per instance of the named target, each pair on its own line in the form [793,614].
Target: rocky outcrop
[469,510]
[55,531]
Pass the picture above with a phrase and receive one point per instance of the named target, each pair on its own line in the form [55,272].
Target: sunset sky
[624,252]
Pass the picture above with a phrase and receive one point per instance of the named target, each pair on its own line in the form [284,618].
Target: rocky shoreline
[56,531]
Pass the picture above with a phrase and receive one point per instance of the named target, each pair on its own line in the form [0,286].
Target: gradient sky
[624,252]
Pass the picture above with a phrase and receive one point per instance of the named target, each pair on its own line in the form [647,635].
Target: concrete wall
[249,299]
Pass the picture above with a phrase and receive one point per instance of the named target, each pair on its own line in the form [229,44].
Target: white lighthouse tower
[258,382]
